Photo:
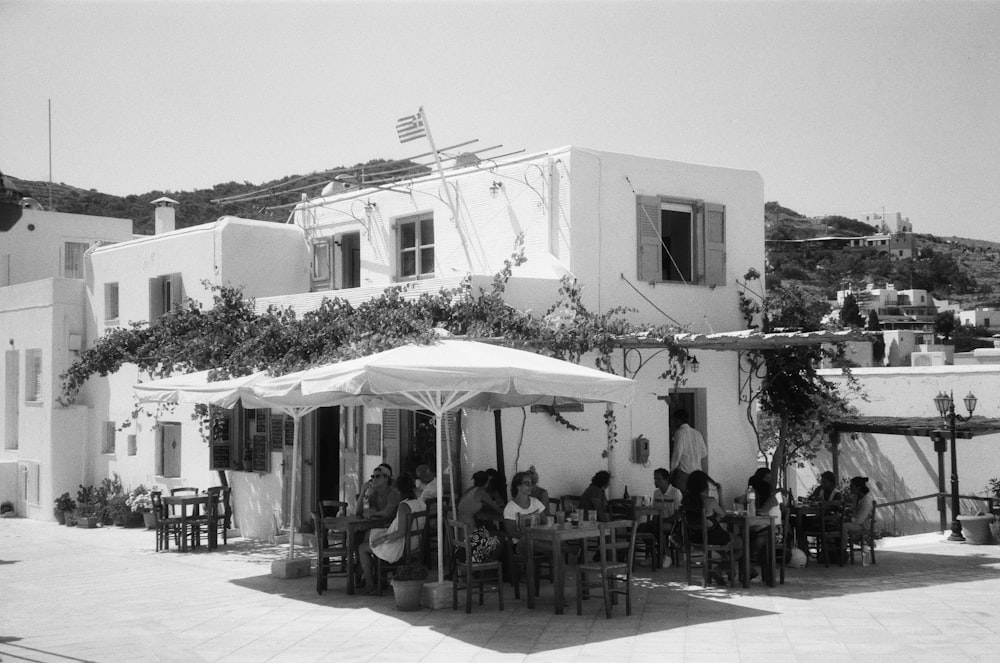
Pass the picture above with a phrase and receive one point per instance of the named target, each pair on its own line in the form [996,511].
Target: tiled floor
[71,595]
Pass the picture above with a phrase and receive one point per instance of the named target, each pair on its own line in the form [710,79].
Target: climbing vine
[232,338]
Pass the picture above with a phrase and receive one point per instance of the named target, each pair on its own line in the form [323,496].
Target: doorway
[326,465]
[170,450]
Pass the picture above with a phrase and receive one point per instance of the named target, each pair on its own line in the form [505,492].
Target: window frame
[33,375]
[112,300]
[704,259]
[417,249]
[108,437]
[77,271]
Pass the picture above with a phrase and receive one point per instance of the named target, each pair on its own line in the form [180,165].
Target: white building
[664,238]
[980,317]
[43,323]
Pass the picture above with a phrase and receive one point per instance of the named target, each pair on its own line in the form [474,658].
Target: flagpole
[437,160]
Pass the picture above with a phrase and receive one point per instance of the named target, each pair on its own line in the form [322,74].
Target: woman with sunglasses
[521,504]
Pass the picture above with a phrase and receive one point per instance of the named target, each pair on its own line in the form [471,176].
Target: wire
[665,314]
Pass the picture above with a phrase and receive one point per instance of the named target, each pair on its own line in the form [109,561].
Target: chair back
[617,541]
[184,490]
[331,508]
[156,499]
[413,529]
[458,535]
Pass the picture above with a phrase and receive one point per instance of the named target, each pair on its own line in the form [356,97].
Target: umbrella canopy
[442,376]
[451,372]
[195,388]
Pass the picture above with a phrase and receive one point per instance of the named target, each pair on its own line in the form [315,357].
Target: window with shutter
[109,438]
[110,302]
[390,434]
[12,389]
[73,259]
[33,375]
[680,240]
[415,246]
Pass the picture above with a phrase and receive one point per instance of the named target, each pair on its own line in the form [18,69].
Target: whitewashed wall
[901,467]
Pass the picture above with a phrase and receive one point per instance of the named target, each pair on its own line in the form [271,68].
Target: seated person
[697,502]
[378,499]
[667,498]
[522,504]
[474,502]
[594,499]
[387,543]
[826,491]
[537,491]
[767,503]
[864,503]
[428,482]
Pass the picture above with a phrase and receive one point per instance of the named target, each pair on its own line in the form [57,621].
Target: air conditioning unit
[927,359]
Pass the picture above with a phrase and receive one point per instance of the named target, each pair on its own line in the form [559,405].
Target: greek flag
[411,127]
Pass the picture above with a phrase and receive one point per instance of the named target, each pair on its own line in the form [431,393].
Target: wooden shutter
[648,234]
[715,244]
[176,292]
[390,430]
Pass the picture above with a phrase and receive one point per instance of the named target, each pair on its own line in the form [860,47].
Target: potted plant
[89,511]
[140,501]
[407,585]
[64,506]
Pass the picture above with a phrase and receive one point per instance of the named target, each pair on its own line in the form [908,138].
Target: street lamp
[946,408]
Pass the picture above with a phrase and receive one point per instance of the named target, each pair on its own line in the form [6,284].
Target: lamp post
[946,408]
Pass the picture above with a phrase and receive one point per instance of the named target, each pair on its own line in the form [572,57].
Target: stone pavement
[69,595]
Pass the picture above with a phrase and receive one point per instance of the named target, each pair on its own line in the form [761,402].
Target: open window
[681,241]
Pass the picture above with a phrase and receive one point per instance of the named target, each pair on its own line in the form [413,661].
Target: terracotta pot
[149,519]
[407,594]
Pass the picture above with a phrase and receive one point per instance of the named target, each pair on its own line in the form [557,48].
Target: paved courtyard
[72,595]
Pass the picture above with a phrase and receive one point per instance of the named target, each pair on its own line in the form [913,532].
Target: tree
[873,324]
[850,313]
[944,325]
[789,405]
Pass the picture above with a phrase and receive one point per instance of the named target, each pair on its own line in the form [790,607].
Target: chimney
[163,219]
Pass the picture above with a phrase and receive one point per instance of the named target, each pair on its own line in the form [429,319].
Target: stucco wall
[901,467]
[36,253]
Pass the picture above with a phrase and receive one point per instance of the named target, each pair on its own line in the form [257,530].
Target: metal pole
[942,510]
[956,527]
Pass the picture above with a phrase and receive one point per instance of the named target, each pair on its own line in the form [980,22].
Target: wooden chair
[224,513]
[428,542]
[826,529]
[542,560]
[783,543]
[855,540]
[699,553]
[184,490]
[331,545]
[412,533]
[465,573]
[614,565]
[167,526]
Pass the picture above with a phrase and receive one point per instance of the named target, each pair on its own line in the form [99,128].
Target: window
[322,264]
[350,260]
[165,294]
[416,246]
[108,442]
[33,375]
[681,241]
[73,259]
[132,446]
[110,301]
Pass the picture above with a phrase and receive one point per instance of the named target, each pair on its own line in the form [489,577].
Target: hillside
[196,207]
[956,268]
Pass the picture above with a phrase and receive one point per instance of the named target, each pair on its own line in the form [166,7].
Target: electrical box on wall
[640,450]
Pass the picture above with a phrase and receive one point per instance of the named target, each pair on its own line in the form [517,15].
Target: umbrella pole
[440,509]
[294,494]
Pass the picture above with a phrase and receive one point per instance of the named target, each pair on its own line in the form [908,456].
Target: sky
[843,108]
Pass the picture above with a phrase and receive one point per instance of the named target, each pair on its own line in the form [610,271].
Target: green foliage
[789,405]
[65,503]
[233,338]
[410,572]
[850,312]
[944,325]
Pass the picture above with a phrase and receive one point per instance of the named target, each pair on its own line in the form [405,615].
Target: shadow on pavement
[21,653]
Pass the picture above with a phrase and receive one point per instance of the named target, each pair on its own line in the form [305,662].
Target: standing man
[690,452]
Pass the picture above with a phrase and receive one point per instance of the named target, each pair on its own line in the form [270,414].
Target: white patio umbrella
[442,376]
[196,388]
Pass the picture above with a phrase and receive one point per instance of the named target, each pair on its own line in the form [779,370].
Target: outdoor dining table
[555,534]
[194,510]
[743,522]
[663,511]
[352,525]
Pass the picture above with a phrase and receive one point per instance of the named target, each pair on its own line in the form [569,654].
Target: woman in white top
[862,507]
[522,504]
[387,543]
